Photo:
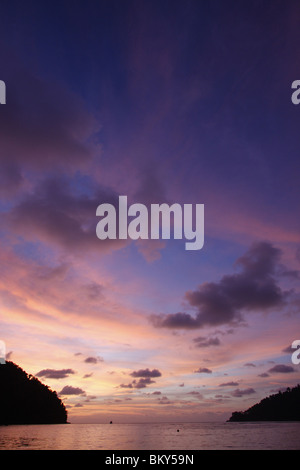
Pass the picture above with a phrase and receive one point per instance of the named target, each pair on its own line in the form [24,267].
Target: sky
[185,102]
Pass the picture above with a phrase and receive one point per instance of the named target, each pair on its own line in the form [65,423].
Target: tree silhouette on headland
[283,406]
[25,400]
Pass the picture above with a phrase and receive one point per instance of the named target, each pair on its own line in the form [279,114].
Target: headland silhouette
[25,400]
[282,406]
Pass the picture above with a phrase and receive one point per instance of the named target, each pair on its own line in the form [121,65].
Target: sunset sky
[164,101]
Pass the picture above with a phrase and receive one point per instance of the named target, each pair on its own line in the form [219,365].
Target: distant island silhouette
[25,400]
[282,406]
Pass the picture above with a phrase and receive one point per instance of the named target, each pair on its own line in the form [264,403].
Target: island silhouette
[25,400]
[282,406]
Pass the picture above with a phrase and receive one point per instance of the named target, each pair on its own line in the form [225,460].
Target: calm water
[191,436]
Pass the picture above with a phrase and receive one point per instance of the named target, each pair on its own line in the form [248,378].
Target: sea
[151,436]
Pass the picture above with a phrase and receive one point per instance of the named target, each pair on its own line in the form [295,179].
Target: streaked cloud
[55,373]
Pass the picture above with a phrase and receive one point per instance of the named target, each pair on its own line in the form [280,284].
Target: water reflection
[187,436]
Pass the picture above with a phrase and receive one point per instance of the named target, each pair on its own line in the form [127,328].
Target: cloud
[196,394]
[93,291]
[43,124]
[130,385]
[203,370]
[229,384]
[264,374]
[249,364]
[253,288]
[150,249]
[58,214]
[69,390]
[146,373]
[240,393]
[291,273]
[145,377]
[175,320]
[151,188]
[221,396]
[288,349]
[281,368]
[164,401]
[202,342]
[141,383]
[93,360]
[55,373]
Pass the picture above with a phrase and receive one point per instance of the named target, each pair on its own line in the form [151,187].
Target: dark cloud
[291,273]
[281,368]
[93,291]
[202,342]
[240,393]
[151,188]
[229,384]
[196,394]
[141,383]
[146,373]
[57,213]
[249,364]
[164,401]
[288,349]
[43,124]
[253,288]
[54,373]
[264,374]
[203,370]
[175,320]
[126,385]
[93,360]
[69,390]
[145,377]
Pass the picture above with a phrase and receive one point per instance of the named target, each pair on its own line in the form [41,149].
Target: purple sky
[162,101]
